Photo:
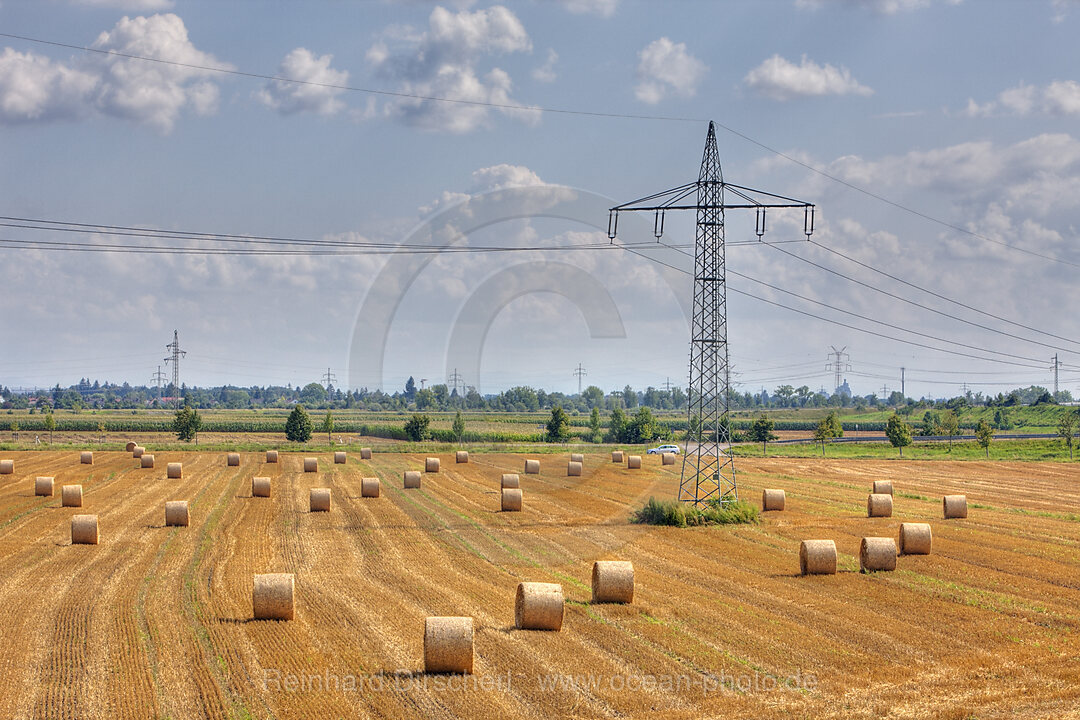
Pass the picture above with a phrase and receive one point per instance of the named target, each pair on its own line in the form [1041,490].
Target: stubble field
[156,621]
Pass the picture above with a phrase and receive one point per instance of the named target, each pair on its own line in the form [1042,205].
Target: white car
[663,449]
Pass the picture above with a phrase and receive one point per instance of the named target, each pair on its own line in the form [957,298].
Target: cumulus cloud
[442,61]
[546,72]
[312,93]
[129,5]
[35,88]
[884,7]
[1061,97]
[781,79]
[666,67]
[603,8]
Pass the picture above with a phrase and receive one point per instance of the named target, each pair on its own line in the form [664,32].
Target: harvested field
[157,621]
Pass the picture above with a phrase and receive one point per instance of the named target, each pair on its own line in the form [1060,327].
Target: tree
[593,396]
[298,427]
[822,433]
[425,399]
[898,432]
[187,423]
[410,387]
[15,431]
[459,426]
[1066,429]
[617,425]
[314,395]
[931,424]
[594,425]
[50,424]
[950,425]
[416,427]
[836,429]
[327,426]
[101,430]
[558,427]
[629,397]
[642,428]
[762,431]
[984,433]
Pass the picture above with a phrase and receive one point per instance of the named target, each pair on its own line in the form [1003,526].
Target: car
[663,449]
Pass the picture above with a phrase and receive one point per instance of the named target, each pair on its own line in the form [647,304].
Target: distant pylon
[708,471]
[174,358]
[580,372]
[838,365]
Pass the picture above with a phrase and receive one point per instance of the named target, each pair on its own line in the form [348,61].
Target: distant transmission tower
[708,471]
[329,379]
[1056,367]
[456,381]
[177,353]
[838,364]
[580,372]
[159,377]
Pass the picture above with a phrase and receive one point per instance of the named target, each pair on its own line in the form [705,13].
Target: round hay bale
[633,462]
[577,457]
[271,456]
[86,458]
[510,480]
[174,471]
[365,453]
[7,467]
[176,513]
[71,496]
[617,456]
[146,461]
[883,487]
[339,458]
[130,446]
[233,459]
[431,465]
[43,486]
[878,505]
[138,451]
[272,596]
[667,458]
[538,606]
[773,499]
[311,465]
[954,506]
[84,530]
[573,469]
[915,539]
[817,557]
[613,581]
[319,500]
[369,487]
[511,499]
[412,479]
[260,487]
[877,553]
[448,645]
[532,467]
[461,456]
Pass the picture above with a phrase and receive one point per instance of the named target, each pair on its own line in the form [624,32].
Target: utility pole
[838,364]
[580,372]
[708,471]
[1056,367]
[159,377]
[174,358]
[456,381]
[903,390]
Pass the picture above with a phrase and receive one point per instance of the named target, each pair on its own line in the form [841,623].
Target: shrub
[680,514]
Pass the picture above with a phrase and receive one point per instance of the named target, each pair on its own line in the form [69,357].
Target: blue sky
[963,111]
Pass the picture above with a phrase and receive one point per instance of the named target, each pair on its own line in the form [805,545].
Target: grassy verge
[680,514]
[1014,450]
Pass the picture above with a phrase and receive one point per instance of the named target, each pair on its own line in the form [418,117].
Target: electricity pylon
[708,471]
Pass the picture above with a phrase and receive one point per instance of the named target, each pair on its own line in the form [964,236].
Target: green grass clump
[680,514]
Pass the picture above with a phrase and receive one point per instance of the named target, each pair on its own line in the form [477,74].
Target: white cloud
[781,79]
[884,7]
[442,62]
[293,97]
[1061,97]
[546,72]
[603,8]
[36,88]
[663,67]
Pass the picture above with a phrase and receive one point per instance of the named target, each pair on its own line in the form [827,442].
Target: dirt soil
[157,622]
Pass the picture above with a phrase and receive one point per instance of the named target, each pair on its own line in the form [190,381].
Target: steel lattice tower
[708,472]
